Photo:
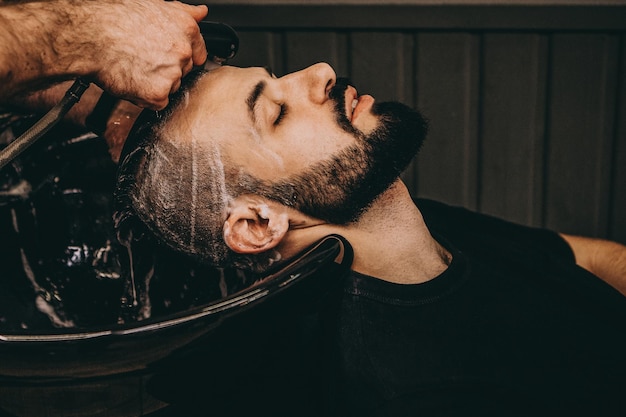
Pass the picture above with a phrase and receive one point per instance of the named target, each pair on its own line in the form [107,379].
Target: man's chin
[367,124]
[401,127]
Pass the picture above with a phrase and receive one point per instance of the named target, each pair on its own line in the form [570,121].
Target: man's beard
[341,188]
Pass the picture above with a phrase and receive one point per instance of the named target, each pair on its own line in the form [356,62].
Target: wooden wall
[527,103]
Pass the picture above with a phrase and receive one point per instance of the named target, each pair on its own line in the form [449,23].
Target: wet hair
[174,189]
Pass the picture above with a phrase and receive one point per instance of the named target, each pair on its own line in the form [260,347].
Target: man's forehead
[227,77]
[219,91]
[214,106]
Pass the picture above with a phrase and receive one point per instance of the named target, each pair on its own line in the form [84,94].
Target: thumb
[198,12]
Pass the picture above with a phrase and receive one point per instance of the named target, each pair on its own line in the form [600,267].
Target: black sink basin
[84,334]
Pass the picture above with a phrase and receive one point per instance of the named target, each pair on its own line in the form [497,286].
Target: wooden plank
[381,64]
[260,48]
[447,93]
[303,49]
[409,17]
[512,126]
[617,229]
[582,109]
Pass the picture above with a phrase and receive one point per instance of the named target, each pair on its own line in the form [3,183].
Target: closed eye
[281,114]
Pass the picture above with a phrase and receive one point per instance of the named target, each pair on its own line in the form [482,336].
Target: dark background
[527,102]
[526,99]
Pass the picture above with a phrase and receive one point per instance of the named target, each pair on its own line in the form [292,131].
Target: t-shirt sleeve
[484,234]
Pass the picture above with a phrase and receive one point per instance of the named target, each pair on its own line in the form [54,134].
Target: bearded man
[444,311]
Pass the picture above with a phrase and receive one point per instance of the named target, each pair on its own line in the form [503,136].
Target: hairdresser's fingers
[198,48]
[175,86]
[187,67]
[153,104]
[153,45]
[198,12]
[156,96]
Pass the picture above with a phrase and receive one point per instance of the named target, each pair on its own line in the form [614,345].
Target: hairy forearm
[40,45]
[137,50]
[604,258]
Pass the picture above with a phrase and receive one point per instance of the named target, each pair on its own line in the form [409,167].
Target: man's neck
[391,240]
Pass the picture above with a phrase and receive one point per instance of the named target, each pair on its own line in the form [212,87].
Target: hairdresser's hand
[135,49]
[146,47]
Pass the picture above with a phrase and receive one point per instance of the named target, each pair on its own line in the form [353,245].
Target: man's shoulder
[511,247]
[478,232]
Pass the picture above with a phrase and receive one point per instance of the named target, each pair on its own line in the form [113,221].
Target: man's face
[305,139]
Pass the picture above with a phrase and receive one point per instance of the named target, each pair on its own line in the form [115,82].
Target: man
[445,311]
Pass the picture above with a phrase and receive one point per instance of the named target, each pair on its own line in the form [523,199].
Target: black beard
[341,188]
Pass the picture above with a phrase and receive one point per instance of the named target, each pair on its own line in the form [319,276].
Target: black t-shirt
[512,327]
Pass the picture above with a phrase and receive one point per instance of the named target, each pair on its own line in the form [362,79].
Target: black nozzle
[222,42]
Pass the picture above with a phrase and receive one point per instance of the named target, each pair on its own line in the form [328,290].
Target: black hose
[43,125]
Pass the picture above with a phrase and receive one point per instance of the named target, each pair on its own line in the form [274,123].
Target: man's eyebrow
[254,97]
[256,92]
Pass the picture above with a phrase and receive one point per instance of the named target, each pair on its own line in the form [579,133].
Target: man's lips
[356,105]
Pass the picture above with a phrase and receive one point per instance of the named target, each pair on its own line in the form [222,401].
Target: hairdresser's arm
[134,49]
[604,258]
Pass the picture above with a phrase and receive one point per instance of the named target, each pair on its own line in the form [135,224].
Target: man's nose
[320,78]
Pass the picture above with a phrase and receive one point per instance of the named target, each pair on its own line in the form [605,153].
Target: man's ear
[255,224]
